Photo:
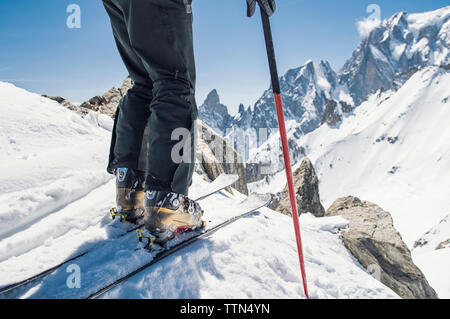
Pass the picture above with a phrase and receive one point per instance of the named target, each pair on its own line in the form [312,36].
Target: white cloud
[366,26]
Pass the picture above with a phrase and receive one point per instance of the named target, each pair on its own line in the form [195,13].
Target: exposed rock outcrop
[330,115]
[218,156]
[436,238]
[104,104]
[107,103]
[67,104]
[306,184]
[207,164]
[378,246]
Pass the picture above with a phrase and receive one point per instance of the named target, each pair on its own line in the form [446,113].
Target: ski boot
[129,195]
[167,215]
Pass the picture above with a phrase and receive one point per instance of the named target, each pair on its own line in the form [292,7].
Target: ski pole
[284,141]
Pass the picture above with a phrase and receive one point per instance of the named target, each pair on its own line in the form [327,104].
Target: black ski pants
[158,114]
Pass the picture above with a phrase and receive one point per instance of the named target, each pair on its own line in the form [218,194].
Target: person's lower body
[154,129]
[154,38]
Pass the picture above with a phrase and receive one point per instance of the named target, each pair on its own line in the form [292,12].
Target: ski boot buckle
[115,213]
[144,234]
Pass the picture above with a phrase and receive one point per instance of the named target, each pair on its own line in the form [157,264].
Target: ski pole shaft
[284,141]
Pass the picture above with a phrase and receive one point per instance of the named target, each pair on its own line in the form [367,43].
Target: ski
[247,208]
[219,184]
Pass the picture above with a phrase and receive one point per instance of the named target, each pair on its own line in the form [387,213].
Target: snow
[322,81]
[418,21]
[56,207]
[435,266]
[397,49]
[378,54]
[393,151]
[437,237]
[256,258]
[49,157]
[367,25]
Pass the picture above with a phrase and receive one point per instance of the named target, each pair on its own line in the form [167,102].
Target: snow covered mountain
[56,196]
[314,94]
[394,150]
[306,91]
[385,60]
[402,42]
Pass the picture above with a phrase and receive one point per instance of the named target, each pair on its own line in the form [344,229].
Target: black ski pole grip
[270,52]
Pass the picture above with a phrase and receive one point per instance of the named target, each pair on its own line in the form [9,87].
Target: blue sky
[39,53]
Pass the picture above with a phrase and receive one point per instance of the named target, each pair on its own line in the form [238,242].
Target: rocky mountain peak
[307,192]
[212,99]
[241,108]
[215,114]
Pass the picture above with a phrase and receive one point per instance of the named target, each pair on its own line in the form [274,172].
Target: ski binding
[115,213]
[146,237]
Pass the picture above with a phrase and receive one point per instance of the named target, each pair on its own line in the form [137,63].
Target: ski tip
[264,199]
[229,178]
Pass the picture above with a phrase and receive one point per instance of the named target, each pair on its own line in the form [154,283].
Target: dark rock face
[67,104]
[331,115]
[305,92]
[104,104]
[217,156]
[214,114]
[107,103]
[207,164]
[334,112]
[376,244]
[345,107]
[275,201]
[304,98]
[443,245]
[253,172]
[307,185]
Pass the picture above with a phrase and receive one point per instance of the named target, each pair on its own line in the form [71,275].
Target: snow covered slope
[256,258]
[49,157]
[54,169]
[393,151]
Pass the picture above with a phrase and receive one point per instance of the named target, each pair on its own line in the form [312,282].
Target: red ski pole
[284,141]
